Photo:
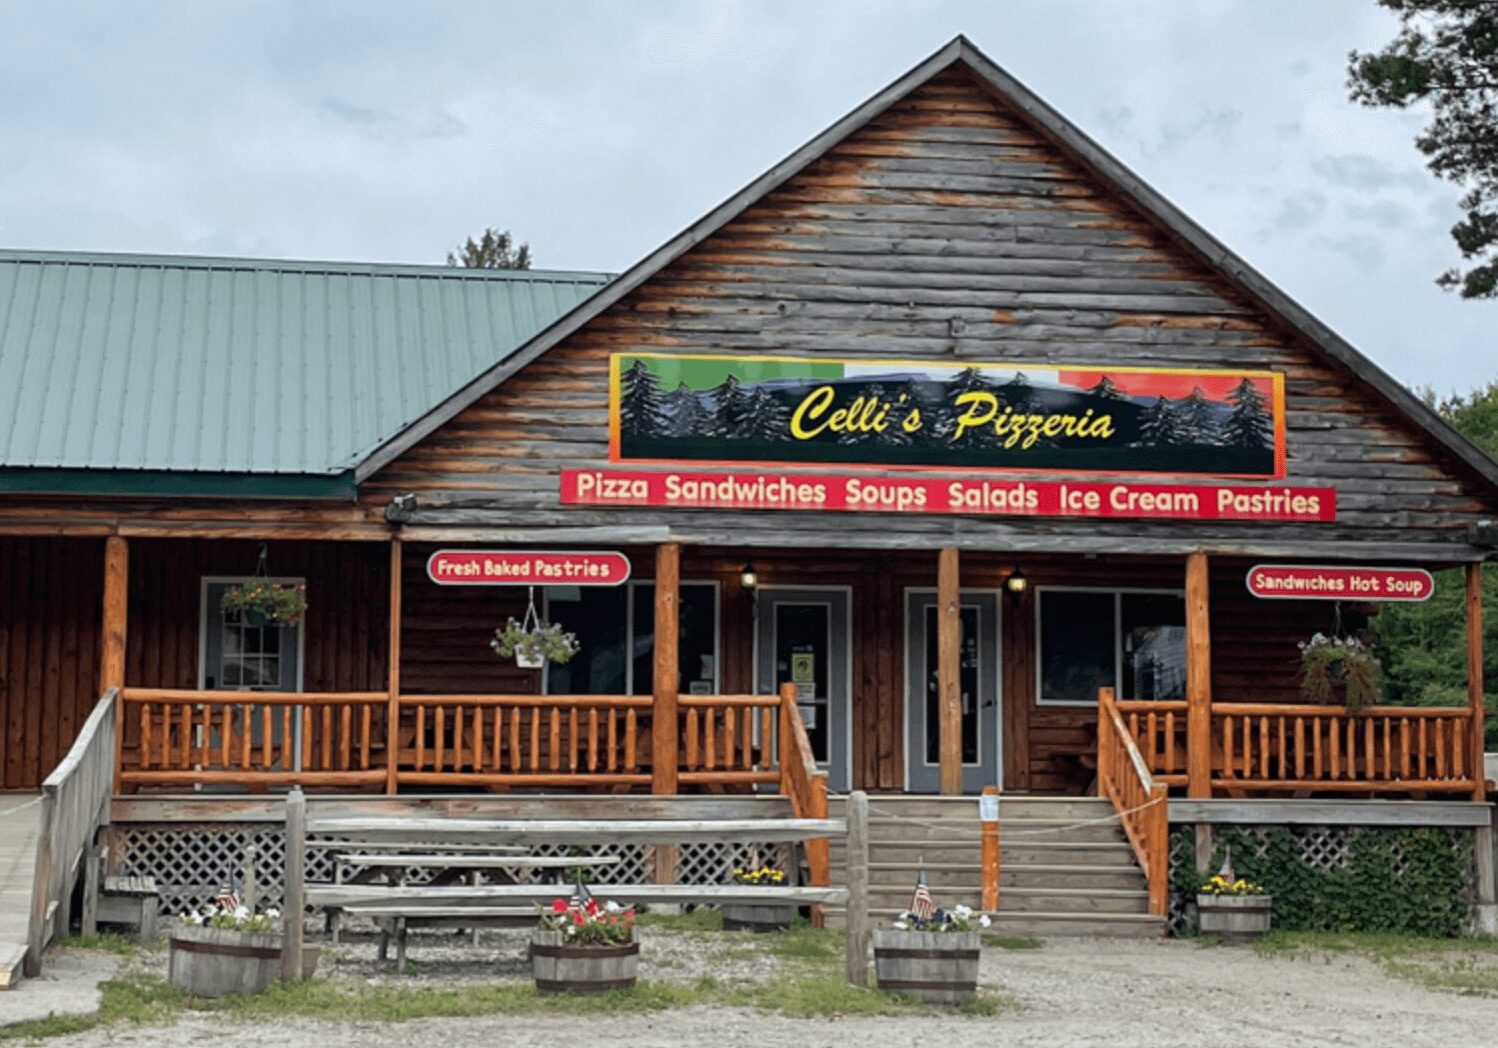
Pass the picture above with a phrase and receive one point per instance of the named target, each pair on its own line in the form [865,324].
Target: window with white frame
[615,629]
[245,652]
[1133,641]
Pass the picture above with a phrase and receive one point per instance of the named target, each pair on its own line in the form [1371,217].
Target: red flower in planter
[559,906]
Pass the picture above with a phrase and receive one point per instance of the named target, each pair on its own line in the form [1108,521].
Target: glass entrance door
[802,639]
[978,687]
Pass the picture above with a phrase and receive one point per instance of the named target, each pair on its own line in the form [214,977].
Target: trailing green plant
[283,603]
[544,642]
[1404,881]
[1332,664]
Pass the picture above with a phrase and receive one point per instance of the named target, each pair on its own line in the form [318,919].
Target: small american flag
[922,905]
[580,895]
[227,900]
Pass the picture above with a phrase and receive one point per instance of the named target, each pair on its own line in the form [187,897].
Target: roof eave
[178,483]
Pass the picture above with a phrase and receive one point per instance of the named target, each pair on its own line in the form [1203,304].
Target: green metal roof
[257,376]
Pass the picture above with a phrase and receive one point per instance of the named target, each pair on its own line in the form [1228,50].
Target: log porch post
[1476,700]
[112,657]
[948,667]
[393,674]
[1198,679]
[663,728]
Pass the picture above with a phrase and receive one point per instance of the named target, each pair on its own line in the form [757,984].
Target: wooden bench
[399,905]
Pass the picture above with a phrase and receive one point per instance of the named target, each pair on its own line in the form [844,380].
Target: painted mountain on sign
[757,409]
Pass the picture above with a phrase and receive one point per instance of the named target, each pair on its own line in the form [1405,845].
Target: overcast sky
[379,131]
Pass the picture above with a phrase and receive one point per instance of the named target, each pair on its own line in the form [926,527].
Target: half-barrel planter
[1235,918]
[936,967]
[562,968]
[212,962]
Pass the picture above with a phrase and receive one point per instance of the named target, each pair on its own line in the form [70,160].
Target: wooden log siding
[51,595]
[945,229]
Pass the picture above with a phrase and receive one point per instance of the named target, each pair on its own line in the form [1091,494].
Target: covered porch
[902,671]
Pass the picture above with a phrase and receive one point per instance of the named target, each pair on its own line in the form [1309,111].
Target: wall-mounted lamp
[1016,584]
[748,577]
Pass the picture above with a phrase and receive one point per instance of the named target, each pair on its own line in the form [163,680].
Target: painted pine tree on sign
[640,403]
[1249,424]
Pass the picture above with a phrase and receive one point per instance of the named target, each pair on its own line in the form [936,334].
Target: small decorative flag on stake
[227,900]
[922,906]
[580,893]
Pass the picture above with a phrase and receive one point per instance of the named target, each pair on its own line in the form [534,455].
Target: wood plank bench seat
[476,861]
[581,831]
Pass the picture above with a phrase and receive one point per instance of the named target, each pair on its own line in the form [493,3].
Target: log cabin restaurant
[945,455]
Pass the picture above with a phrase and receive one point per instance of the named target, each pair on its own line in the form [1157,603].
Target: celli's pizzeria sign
[894,414]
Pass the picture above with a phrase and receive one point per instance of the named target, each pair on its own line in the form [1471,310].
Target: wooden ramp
[18,828]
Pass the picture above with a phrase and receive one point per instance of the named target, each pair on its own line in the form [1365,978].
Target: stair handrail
[1142,805]
[74,804]
[803,783]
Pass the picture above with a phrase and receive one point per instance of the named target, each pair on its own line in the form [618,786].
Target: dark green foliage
[641,404]
[1369,895]
[1423,647]
[494,249]
[1249,424]
[1446,56]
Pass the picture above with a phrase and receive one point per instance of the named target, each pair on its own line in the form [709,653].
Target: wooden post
[93,859]
[858,888]
[393,657]
[949,669]
[294,904]
[1476,700]
[1198,679]
[250,890]
[112,654]
[990,832]
[1486,917]
[663,727]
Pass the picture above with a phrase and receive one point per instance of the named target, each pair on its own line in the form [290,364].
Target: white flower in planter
[611,907]
[984,921]
[901,926]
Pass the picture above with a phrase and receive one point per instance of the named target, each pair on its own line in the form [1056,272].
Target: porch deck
[18,829]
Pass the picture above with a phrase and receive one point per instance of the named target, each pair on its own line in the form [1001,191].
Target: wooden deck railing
[729,738]
[341,739]
[1141,802]
[75,802]
[1292,748]
[1381,748]
[524,740]
[252,738]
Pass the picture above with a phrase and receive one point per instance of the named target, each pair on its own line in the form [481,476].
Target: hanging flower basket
[1340,667]
[260,602]
[533,643]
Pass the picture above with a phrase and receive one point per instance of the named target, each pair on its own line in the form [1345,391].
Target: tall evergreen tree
[1248,424]
[730,409]
[641,411]
[1158,426]
[968,380]
[688,418]
[494,249]
[1017,392]
[1195,423]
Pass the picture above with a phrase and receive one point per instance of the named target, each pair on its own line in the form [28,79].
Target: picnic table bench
[398,906]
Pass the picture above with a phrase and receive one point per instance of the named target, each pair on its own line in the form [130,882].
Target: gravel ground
[68,985]
[1121,994]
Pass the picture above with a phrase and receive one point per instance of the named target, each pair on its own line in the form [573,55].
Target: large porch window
[616,630]
[1131,640]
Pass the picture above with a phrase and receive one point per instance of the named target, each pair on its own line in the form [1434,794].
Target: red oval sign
[489,567]
[1309,582]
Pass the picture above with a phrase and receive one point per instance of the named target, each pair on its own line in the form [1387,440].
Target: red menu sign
[489,567]
[822,492]
[1308,582]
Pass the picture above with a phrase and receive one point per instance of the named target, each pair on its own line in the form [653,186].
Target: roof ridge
[284,265]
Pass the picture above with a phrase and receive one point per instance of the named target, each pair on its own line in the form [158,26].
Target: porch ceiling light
[748,577]
[1016,583]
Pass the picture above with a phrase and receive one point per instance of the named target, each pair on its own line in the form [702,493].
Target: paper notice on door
[803,667]
[808,713]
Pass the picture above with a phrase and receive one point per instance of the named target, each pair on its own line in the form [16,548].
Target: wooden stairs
[1063,871]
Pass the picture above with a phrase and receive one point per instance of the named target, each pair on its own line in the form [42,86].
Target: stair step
[1073,900]
[1084,853]
[1059,875]
[1103,925]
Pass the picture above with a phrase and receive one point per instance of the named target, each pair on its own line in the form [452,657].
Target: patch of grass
[988,1003]
[1011,942]
[1379,946]
[1464,965]
[132,999]
[802,942]
[106,942]
[691,921]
